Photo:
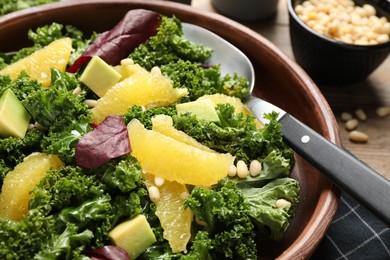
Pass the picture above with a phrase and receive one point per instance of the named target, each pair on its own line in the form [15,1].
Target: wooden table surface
[368,95]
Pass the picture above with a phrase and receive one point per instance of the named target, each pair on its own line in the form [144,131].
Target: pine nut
[77,90]
[154,193]
[184,195]
[127,61]
[360,114]
[242,169]
[158,181]
[232,170]
[90,102]
[345,116]
[39,126]
[344,21]
[282,203]
[383,111]
[351,124]
[255,168]
[155,71]
[357,136]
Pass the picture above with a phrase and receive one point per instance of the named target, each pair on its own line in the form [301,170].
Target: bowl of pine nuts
[339,42]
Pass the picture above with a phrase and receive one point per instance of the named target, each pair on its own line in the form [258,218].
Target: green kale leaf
[225,214]
[168,45]
[62,140]
[14,149]
[67,245]
[145,116]
[238,135]
[121,174]
[55,104]
[271,220]
[8,6]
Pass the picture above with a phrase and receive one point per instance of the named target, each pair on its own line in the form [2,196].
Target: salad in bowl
[128,143]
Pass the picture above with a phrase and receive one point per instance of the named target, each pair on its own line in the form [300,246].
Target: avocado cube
[202,108]
[14,118]
[134,236]
[99,76]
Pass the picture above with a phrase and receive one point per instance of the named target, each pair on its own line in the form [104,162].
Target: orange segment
[174,160]
[174,219]
[128,68]
[38,64]
[150,89]
[19,182]
[164,124]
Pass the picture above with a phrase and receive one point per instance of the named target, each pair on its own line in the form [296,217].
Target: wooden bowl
[278,79]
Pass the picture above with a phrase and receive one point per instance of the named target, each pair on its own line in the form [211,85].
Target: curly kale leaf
[123,174]
[37,236]
[63,137]
[4,169]
[21,87]
[201,80]
[198,80]
[200,247]
[22,240]
[72,195]
[65,187]
[14,149]
[68,245]
[236,134]
[8,6]
[127,206]
[145,117]
[57,103]
[271,221]
[225,212]
[168,45]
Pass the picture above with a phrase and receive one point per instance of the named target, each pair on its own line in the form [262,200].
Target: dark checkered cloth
[355,233]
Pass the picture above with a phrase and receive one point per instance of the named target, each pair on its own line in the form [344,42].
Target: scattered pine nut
[158,181]
[127,61]
[77,90]
[242,169]
[90,102]
[383,111]
[357,136]
[345,116]
[255,168]
[39,126]
[282,203]
[360,114]
[155,71]
[232,170]
[351,124]
[184,195]
[154,193]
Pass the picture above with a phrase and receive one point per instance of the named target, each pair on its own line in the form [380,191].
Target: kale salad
[165,178]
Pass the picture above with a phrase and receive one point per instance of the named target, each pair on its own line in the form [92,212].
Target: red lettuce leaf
[108,140]
[109,253]
[136,27]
